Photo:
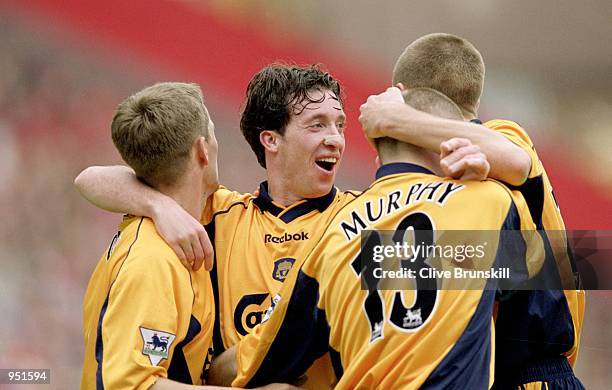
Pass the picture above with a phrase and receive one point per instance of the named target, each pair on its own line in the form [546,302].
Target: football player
[146,316]
[540,344]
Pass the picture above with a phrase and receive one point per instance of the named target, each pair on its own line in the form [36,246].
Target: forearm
[509,163]
[117,189]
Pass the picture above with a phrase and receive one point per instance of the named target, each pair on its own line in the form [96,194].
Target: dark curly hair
[278,91]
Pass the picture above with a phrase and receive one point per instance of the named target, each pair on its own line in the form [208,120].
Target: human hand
[185,235]
[375,112]
[460,159]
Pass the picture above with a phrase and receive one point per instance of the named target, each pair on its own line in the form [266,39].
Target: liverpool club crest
[282,268]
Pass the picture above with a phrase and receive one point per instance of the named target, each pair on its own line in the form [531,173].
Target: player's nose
[336,141]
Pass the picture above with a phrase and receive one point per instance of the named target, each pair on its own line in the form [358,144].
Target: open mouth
[327,163]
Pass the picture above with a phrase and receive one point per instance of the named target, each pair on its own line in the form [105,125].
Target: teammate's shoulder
[222,201]
[148,242]
[496,123]
[149,248]
[137,251]
[224,197]
[348,193]
[347,196]
[485,192]
[489,203]
[504,125]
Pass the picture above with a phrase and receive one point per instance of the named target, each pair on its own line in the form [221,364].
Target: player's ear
[269,139]
[200,147]
[400,86]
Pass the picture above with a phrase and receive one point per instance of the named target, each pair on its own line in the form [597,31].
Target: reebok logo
[285,237]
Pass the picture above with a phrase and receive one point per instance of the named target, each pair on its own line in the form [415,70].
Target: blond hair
[154,130]
[444,62]
[432,102]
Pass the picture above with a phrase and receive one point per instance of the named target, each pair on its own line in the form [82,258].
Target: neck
[279,190]
[189,193]
[414,155]
[468,115]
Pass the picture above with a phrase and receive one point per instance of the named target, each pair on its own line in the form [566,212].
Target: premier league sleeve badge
[156,344]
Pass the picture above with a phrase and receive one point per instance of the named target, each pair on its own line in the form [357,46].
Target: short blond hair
[444,62]
[154,130]
[432,102]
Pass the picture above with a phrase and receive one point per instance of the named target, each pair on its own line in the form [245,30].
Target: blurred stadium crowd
[53,103]
[56,102]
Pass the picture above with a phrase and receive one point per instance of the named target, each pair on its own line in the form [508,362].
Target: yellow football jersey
[551,321]
[423,337]
[256,243]
[145,315]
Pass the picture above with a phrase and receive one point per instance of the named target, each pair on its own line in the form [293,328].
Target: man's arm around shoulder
[117,189]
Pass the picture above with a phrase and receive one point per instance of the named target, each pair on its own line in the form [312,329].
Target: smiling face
[309,152]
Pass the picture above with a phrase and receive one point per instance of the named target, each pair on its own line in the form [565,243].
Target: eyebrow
[323,116]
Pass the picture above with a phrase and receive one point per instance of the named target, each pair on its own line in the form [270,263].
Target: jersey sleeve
[293,334]
[221,200]
[139,321]
[517,135]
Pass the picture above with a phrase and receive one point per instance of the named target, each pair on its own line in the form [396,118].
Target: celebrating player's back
[425,336]
[147,317]
[537,332]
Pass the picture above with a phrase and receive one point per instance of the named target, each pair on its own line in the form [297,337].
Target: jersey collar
[476,120]
[288,214]
[395,168]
